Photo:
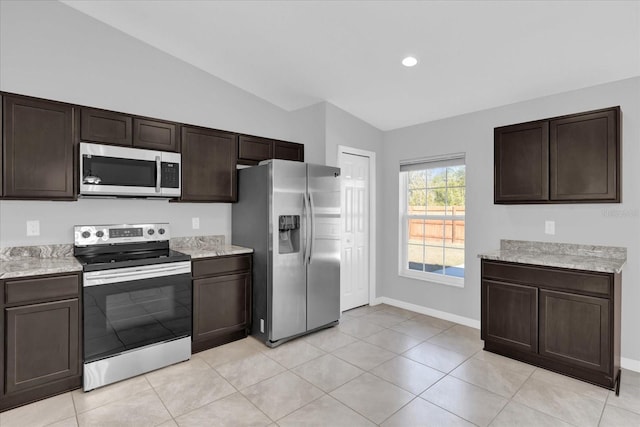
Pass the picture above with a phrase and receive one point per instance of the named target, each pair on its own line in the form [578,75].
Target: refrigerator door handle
[313,227]
[307,212]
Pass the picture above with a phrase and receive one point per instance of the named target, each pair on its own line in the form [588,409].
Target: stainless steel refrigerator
[289,213]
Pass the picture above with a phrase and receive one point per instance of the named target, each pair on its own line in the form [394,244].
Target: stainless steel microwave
[108,170]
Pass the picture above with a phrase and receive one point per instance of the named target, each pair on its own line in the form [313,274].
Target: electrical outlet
[195,223]
[550,227]
[33,227]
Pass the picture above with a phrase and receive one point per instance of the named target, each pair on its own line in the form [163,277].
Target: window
[432,226]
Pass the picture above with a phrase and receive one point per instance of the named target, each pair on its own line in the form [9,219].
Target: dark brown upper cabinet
[156,135]
[38,149]
[110,127]
[568,159]
[254,149]
[106,127]
[288,151]
[585,157]
[522,162]
[208,165]
[1,155]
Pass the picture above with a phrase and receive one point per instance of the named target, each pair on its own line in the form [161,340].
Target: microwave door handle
[158,174]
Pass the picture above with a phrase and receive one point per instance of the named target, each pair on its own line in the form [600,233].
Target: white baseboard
[630,364]
[428,311]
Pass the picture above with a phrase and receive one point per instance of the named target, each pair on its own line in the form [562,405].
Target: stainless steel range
[136,300]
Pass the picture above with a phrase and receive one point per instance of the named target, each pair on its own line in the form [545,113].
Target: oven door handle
[106,277]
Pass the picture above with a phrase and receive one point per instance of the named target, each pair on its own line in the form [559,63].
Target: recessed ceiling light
[409,61]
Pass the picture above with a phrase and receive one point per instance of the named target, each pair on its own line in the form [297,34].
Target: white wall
[486,223]
[345,129]
[58,218]
[309,128]
[52,51]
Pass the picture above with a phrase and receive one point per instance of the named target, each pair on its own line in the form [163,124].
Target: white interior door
[354,268]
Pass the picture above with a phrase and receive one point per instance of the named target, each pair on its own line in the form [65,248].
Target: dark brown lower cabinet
[41,325]
[571,330]
[221,300]
[511,315]
[563,320]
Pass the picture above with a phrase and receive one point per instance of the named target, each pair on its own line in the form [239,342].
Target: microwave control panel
[170,175]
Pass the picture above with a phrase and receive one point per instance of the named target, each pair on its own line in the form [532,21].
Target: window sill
[440,279]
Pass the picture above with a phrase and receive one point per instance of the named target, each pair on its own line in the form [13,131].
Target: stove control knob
[99,233]
[150,231]
[86,234]
[161,230]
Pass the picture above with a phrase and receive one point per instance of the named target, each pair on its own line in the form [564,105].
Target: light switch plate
[195,223]
[550,227]
[33,227]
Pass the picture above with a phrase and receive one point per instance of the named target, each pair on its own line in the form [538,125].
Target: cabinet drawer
[221,265]
[41,289]
[546,277]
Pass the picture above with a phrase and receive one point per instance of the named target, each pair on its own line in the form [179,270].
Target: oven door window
[123,316]
[103,170]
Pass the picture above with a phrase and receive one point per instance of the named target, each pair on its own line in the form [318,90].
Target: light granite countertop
[606,259]
[31,266]
[51,259]
[24,261]
[213,252]
[206,247]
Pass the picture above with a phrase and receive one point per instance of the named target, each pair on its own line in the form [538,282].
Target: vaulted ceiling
[473,55]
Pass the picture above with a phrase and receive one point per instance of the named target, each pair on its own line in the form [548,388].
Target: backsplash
[214,242]
[564,249]
[198,242]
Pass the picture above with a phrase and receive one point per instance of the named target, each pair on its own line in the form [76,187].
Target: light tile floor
[381,366]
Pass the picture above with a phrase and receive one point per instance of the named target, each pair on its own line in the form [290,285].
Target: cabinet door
[575,329]
[585,157]
[155,135]
[288,151]
[521,163]
[221,305]
[42,344]
[510,315]
[106,127]
[38,149]
[208,165]
[252,150]
[1,163]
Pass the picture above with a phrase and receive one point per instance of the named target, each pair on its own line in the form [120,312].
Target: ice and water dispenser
[289,234]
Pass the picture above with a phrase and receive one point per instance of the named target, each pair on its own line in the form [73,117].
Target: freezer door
[288,227]
[323,262]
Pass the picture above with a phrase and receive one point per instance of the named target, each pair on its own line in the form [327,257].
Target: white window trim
[403,269]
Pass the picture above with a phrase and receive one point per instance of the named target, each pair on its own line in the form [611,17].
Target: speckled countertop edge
[206,247]
[606,259]
[22,261]
[32,266]
[196,253]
